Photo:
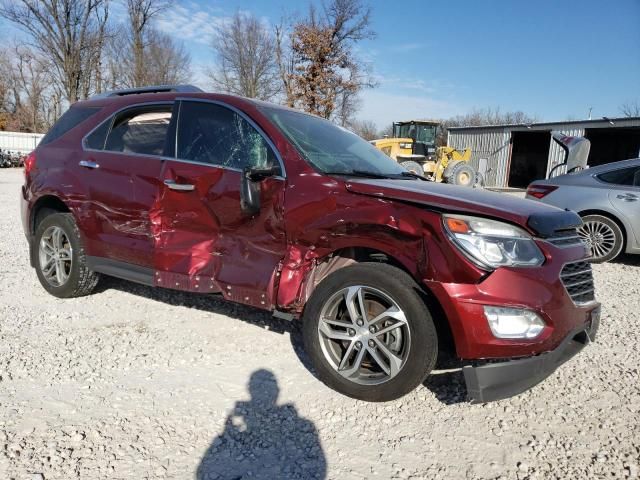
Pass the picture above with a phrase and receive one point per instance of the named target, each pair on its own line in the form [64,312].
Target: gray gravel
[133,382]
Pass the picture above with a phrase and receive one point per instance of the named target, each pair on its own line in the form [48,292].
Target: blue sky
[553,59]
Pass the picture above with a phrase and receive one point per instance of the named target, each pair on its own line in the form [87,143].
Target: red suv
[286,212]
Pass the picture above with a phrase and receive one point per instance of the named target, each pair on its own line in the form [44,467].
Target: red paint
[202,241]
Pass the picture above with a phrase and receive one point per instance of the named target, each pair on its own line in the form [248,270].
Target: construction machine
[413,145]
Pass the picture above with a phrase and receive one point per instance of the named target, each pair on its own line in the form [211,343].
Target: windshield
[425,133]
[329,148]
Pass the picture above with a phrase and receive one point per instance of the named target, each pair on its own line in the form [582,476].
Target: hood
[539,218]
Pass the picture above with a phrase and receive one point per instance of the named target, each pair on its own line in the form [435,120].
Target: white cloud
[384,107]
[193,23]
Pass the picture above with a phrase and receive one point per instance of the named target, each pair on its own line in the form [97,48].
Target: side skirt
[126,271]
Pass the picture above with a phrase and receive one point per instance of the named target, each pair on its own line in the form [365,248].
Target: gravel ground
[138,383]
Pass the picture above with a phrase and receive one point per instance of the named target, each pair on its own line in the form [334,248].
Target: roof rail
[150,89]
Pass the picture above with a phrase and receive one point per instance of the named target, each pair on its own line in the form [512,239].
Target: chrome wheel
[56,256]
[599,237]
[364,335]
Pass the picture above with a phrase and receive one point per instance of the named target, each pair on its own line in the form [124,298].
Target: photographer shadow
[264,440]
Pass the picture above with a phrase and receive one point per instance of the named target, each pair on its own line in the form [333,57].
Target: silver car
[607,197]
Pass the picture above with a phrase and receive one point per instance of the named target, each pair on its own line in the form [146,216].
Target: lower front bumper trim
[496,381]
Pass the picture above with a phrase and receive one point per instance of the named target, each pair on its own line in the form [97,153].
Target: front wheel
[603,236]
[368,332]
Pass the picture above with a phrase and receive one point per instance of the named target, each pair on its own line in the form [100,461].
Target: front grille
[577,278]
[565,238]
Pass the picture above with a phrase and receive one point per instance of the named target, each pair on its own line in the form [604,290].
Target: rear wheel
[60,260]
[603,236]
[368,333]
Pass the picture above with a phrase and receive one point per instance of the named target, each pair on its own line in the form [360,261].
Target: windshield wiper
[414,175]
[360,173]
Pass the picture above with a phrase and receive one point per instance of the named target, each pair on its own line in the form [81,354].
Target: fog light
[513,322]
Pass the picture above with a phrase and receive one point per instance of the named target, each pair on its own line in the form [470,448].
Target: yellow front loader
[413,146]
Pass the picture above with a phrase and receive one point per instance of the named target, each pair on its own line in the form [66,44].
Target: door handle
[181,187]
[88,164]
[628,197]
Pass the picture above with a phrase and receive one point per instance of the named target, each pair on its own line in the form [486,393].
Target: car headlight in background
[513,322]
[493,244]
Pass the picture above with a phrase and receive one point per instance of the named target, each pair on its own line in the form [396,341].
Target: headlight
[493,244]
[404,145]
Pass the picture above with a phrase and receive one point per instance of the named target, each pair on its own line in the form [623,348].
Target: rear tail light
[29,163]
[540,191]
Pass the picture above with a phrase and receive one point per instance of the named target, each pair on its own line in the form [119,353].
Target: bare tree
[167,62]
[245,64]
[68,33]
[141,12]
[481,117]
[365,128]
[630,109]
[319,69]
[25,90]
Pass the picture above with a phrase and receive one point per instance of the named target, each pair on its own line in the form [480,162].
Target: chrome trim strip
[112,116]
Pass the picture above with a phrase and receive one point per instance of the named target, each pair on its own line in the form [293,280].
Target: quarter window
[623,176]
[140,130]
[71,119]
[216,135]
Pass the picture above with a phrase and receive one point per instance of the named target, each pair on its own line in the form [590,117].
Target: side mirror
[250,188]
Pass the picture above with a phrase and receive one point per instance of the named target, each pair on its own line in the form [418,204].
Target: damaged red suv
[286,212]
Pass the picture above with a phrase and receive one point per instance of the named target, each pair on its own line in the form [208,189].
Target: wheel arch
[346,256]
[42,205]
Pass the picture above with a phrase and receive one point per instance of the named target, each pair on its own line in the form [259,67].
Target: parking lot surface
[133,382]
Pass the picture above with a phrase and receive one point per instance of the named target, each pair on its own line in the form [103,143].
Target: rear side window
[71,118]
[624,176]
[140,130]
[216,135]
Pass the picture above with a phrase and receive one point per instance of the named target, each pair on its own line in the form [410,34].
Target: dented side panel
[323,217]
[203,241]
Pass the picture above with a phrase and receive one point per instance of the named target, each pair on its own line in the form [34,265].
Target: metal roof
[604,122]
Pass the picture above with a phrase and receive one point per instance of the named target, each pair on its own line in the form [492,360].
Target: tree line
[73,49]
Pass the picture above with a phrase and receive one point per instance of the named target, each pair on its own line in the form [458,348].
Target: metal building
[518,154]
[16,142]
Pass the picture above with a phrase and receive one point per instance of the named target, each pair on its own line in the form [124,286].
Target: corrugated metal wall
[490,143]
[19,142]
[493,143]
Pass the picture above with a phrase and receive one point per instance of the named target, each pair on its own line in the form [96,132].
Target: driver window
[216,135]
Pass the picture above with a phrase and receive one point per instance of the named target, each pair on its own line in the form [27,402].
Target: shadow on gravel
[626,259]
[264,440]
[205,302]
[447,386]
[215,304]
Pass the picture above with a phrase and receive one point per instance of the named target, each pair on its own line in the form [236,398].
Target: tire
[460,173]
[603,235]
[59,231]
[414,342]
[412,166]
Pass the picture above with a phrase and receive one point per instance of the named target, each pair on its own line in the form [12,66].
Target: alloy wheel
[56,256]
[599,237]
[364,335]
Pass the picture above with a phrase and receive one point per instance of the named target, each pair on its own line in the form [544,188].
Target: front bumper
[495,381]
